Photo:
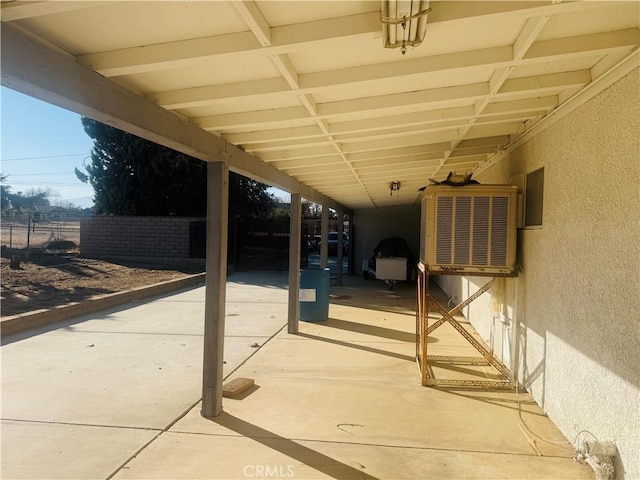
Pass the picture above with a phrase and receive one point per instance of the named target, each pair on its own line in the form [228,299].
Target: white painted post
[324,235]
[216,286]
[340,243]
[295,234]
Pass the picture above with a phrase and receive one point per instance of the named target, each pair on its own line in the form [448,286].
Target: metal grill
[480,231]
[499,230]
[461,245]
[443,230]
[472,230]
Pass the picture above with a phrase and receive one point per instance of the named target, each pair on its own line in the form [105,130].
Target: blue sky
[41,146]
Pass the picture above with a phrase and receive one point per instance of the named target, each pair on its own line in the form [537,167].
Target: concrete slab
[127,379]
[341,399]
[254,453]
[133,369]
[49,317]
[62,451]
[354,395]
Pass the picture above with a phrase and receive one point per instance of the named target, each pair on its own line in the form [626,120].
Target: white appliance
[391,268]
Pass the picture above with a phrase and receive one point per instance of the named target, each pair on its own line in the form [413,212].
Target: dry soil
[51,278]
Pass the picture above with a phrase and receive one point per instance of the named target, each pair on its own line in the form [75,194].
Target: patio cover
[303,96]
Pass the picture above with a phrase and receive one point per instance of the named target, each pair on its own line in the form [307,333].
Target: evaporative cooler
[469,229]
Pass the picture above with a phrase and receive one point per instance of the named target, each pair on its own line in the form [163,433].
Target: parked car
[332,243]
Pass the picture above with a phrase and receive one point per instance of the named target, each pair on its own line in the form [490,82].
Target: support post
[340,250]
[295,231]
[324,235]
[216,286]
[353,265]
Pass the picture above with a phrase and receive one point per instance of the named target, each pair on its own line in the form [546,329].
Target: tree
[5,191]
[133,176]
[249,198]
[311,209]
[314,210]
[68,205]
[31,199]
[281,209]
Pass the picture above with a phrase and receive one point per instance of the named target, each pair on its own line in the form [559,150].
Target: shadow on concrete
[245,394]
[451,367]
[316,460]
[503,402]
[263,279]
[397,308]
[370,330]
[356,346]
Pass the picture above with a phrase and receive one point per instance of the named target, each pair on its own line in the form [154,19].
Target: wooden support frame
[295,236]
[340,253]
[424,302]
[215,289]
[324,233]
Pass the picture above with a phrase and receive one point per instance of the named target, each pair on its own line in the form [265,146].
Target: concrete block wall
[141,237]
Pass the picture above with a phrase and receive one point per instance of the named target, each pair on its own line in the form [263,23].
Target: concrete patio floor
[116,395]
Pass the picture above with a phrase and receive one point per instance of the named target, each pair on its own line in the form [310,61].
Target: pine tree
[133,176]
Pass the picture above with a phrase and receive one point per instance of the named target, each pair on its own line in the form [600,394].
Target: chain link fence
[26,231]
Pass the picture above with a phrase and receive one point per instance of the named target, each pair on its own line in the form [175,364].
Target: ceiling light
[394,187]
[404,23]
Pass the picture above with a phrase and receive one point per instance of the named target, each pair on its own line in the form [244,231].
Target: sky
[41,145]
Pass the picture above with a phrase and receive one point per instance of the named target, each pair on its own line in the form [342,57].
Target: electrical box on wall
[469,229]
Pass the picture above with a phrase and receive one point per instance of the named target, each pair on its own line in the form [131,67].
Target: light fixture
[404,23]
[395,187]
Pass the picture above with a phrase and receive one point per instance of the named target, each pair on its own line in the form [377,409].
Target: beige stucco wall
[578,296]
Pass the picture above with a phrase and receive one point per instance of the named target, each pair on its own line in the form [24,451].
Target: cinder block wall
[143,237]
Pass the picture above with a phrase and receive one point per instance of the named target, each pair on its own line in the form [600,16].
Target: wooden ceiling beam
[48,75]
[496,57]
[14,10]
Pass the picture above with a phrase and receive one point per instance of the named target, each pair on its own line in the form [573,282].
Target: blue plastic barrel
[314,294]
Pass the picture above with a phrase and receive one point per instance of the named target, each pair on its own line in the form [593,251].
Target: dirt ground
[53,278]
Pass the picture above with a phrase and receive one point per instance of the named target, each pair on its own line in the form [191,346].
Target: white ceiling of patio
[307,87]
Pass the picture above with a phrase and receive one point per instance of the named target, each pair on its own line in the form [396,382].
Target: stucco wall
[373,224]
[578,296]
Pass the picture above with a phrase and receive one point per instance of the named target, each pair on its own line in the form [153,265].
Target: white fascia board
[12,11]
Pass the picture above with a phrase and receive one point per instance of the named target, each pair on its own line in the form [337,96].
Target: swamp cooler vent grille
[469,229]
